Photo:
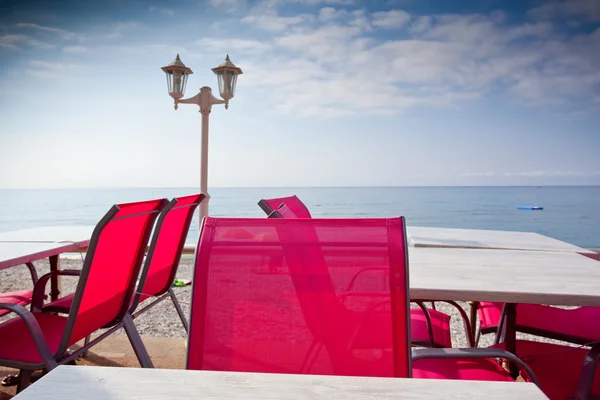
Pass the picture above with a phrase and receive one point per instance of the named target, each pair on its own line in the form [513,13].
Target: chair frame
[123,318]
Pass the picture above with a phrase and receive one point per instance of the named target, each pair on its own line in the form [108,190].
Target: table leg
[55,286]
[510,335]
[473,319]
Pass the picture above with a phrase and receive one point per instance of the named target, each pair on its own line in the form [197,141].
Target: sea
[570,213]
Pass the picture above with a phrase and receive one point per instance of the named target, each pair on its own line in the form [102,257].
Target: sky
[334,93]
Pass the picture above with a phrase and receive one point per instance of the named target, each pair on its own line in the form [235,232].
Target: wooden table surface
[110,383]
[508,276]
[28,245]
[49,234]
[487,239]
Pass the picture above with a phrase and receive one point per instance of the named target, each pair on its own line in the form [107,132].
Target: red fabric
[60,305]
[440,325]
[556,367]
[17,343]
[582,322]
[167,254]
[489,314]
[478,369]
[294,204]
[593,256]
[274,300]
[22,297]
[114,267]
[419,331]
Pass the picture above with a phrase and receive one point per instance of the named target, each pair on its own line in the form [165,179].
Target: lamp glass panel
[169,81]
[177,82]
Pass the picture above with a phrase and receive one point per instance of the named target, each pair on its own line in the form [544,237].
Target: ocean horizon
[571,213]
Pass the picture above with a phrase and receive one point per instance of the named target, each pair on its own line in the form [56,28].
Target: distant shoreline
[300,187]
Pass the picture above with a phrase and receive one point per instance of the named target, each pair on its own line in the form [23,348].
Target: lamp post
[177,74]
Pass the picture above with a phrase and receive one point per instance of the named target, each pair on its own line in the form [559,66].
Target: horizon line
[291,187]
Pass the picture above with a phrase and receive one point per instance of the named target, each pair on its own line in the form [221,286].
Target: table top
[110,383]
[49,234]
[28,245]
[487,239]
[512,276]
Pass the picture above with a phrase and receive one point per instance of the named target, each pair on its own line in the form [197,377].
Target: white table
[110,383]
[484,239]
[28,245]
[510,276]
[506,276]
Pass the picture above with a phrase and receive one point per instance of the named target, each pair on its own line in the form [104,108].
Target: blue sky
[334,93]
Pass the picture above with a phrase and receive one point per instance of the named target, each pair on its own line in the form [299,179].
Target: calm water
[571,214]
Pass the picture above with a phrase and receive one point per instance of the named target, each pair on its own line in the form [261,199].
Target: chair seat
[22,297]
[478,369]
[17,343]
[62,305]
[556,367]
[440,324]
[582,322]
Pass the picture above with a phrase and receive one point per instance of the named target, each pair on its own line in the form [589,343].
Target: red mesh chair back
[300,317]
[111,267]
[293,203]
[167,245]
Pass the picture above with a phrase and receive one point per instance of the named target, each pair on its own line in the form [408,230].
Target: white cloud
[19,41]
[228,5]
[390,19]
[327,14]
[550,174]
[118,29]
[75,49]
[164,11]
[585,9]
[46,69]
[234,45]
[331,62]
[477,174]
[272,22]
[42,28]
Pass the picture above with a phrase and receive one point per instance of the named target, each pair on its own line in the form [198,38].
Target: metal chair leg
[24,380]
[179,310]
[136,342]
[473,319]
[85,343]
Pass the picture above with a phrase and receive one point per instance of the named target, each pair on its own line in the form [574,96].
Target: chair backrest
[293,203]
[246,319]
[110,269]
[166,247]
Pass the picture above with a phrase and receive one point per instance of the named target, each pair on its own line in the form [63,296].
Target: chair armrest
[39,290]
[427,321]
[420,354]
[586,377]
[36,332]
[466,323]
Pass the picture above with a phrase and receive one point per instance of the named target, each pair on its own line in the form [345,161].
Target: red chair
[168,242]
[161,263]
[37,340]
[20,297]
[293,202]
[563,372]
[429,327]
[302,320]
[578,325]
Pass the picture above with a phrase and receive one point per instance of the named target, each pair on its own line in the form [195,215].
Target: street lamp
[177,74]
